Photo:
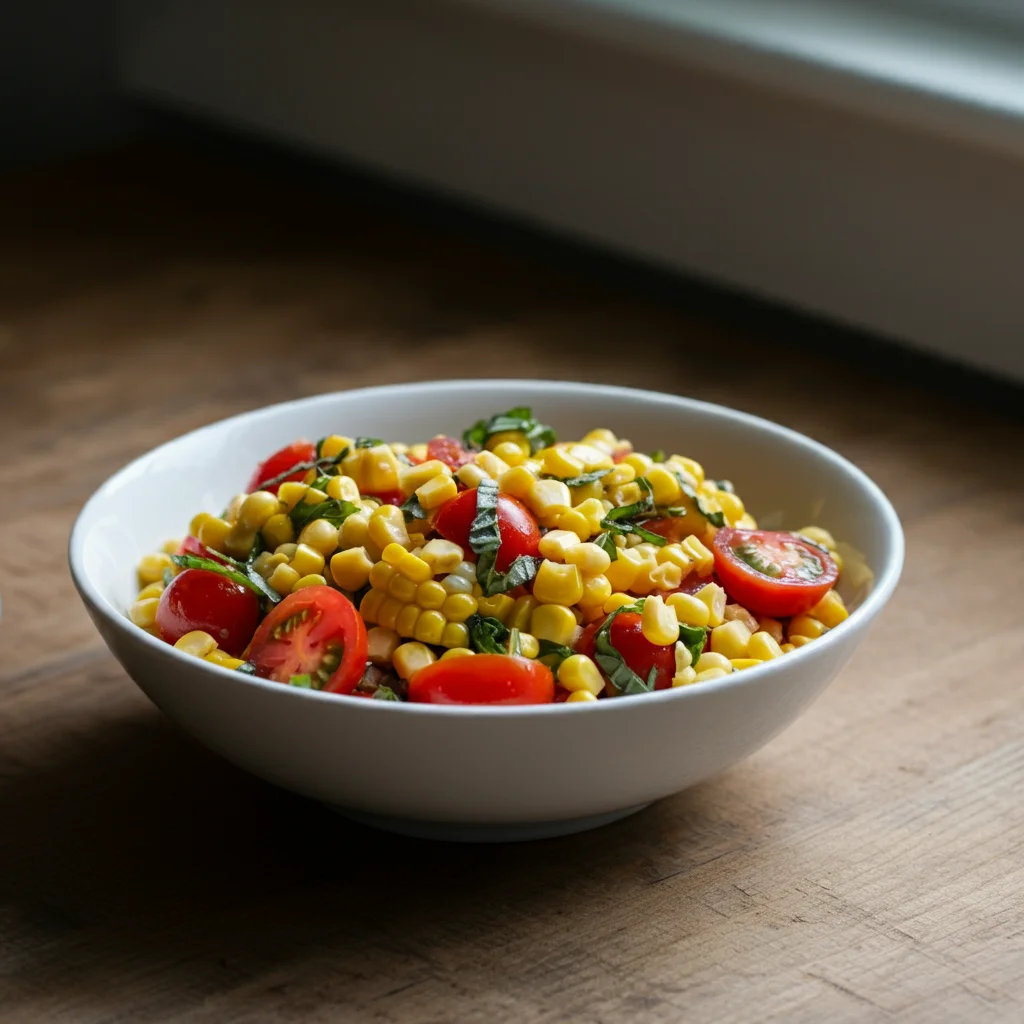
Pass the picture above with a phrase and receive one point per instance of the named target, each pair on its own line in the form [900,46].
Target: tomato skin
[202,599]
[193,546]
[779,597]
[331,619]
[639,653]
[495,679]
[285,458]
[449,451]
[387,497]
[519,532]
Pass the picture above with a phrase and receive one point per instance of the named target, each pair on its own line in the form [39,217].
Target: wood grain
[866,866]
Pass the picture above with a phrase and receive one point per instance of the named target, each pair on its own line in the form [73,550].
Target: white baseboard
[909,227]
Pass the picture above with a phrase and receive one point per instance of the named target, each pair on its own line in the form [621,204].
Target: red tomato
[693,583]
[388,497]
[203,599]
[674,529]
[299,451]
[639,653]
[192,546]
[483,679]
[772,572]
[449,451]
[516,526]
[317,632]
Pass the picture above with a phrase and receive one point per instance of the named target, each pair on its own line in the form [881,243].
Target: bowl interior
[786,480]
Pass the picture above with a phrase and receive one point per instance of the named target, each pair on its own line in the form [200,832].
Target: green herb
[246,575]
[334,510]
[611,661]
[304,681]
[606,542]
[412,509]
[384,693]
[519,420]
[676,512]
[751,555]
[658,456]
[168,576]
[319,448]
[553,654]
[515,645]
[318,464]
[321,482]
[366,442]
[725,485]
[487,635]
[714,518]
[247,668]
[485,540]
[621,520]
[693,639]
[406,461]
[578,481]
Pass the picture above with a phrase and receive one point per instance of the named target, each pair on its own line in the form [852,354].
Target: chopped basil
[578,481]
[645,506]
[168,576]
[246,575]
[519,420]
[553,654]
[384,693]
[321,482]
[318,465]
[487,635]
[247,668]
[714,518]
[676,512]
[304,681]
[334,510]
[515,645]
[485,541]
[366,442]
[412,509]
[725,485]
[693,639]
[611,661]
[751,555]
[658,456]
[606,542]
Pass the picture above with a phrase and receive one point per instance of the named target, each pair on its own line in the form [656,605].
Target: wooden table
[868,865]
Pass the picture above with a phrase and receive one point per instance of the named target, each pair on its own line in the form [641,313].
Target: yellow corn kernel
[712,673]
[554,622]
[746,522]
[239,541]
[817,535]
[355,532]
[621,475]
[770,626]
[714,597]
[591,559]
[314,496]
[390,609]
[548,499]
[455,635]
[170,547]
[234,506]
[675,554]
[627,494]
[596,591]
[283,579]
[409,658]
[601,438]
[197,523]
[381,644]
[350,569]
[732,507]
[442,556]
[278,530]
[197,643]
[730,639]
[640,462]
[412,477]
[257,508]
[214,534]
[150,590]
[402,587]
[151,567]
[493,466]
[409,565]
[459,607]
[265,563]
[738,612]
[406,619]
[143,613]
[684,677]
[658,622]
[472,475]
[387,527]
[457,652]
[430,627]
[624,570]
[343,488]
[436,492]
[417,452]
[371,604]
[683,657]
[558,462]
[616,601]
[712,659]
[510,453]
[593,490]
[368,506]
[223,659]
[522,612]
[321,536]
[805,625]
[666,487]
[578,672]
[380,469]
[592,458]
[830,610]
[580,697]
[557,584]
[313,579]
[334,445]
[431,595]
[288,550]
[517,481]
[739,664]
[516,437]
[307,560]
[556,544]
[797,640]
[786,648]
[764,646]
[529,645]
[694,469]
[666,576]
[455,584]
[702,558]
[291,493]
[381,575]
[575,522]
[499,606]
[642,582]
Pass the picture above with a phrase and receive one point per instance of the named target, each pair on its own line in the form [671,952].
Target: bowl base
[455,832]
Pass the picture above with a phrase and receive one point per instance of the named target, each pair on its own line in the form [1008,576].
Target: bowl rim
[886,577]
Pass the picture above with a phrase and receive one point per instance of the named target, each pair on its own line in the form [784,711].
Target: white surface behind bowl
[482,772]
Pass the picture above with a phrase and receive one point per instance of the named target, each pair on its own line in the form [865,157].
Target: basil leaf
[515,645]
[366,442]
[317,464]
[335,511]
[168,575]
[693,639]
[606,542]
[658,455]
[492,582]
[725,485]
[677,512]
[714,518]
[557,653]
[384,693]
[619,520]
[519,420]
[319,448]
[247,577]
[304,681]
[321,482]
[412,509]
[247,668]
[487,635]
[485,541]
[578,481]
[484,534]
[611,661]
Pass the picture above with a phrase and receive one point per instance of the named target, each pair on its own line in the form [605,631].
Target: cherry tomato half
[516,525]
[771,572]
[203,599]
[483,679]
[449,451]
[193,546]
[637,651]
[291,455]
[314,631]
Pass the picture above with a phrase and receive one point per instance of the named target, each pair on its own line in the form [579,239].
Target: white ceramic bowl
[477,772]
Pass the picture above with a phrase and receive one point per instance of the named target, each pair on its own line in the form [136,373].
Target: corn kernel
[763,646]
[234,507]
[591,457]
[355,532]
[616,601]
[457,652]
[684,677]
[738,612]
[593,509]
[381,644]
[711,673]
[143,613]
[730,639]
[712,659]
[307,560]
[409,658]
[658,622]
[556,544]
[371,604]
[580,697]
[665,486]
[223,659]
[666,576]
[239,541]
[642,582]
[402,587]
[283,579]
[291,492]
[197,523]
[430,627]
[380,469]
[458,607]
[288,550]
[739,664]
[313,579]
[455,635]
[406,619]
[732,507]
[596,591]
[554,622]
[390,609]
[150,590]
[624,570]
[151,567]
[575,522]
[693,469]
[689,609]
[529,645]
[817,535]
[498,607]
[591,559]
[786,648]
[214,534]
[627,494]
[343,488]
[334,445]
[455,584]
[521,614]
[412,477]
[836,556]
[517,482]
[436,491]
[442,556]
[509,453]
[622,474]
[493,466]
[804,625]
[278,530]
[830,610]
[516,437]
[558,462]
[409,565]
[257,508]
[578,672]
[387,527]
[548,499]
[600,438]
[197,643]
[683,657]
[714,597]
[557,584]
[321,536]
[699,554]
[351,569]
[472,475]
[467,570]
